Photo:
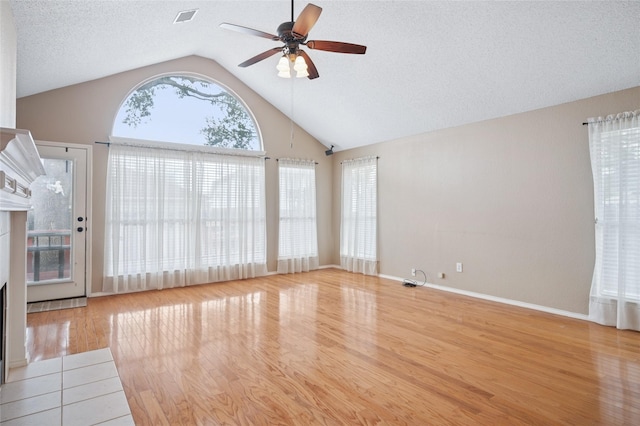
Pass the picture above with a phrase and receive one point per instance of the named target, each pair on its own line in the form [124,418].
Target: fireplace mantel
[20,165]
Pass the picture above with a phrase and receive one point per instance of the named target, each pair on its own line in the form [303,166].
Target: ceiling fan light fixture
[283,68]
[283,64]
[300,66]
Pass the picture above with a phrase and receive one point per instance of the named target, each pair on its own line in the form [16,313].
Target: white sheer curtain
[176,218]
[298,233]
[359,223]
[614,143]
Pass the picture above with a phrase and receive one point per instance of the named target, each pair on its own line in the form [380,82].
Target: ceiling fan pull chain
[292,109]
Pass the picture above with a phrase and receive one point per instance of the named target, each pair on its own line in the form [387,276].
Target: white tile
[92,373]
[92,393]
[25,407]
[85,359]
[30,387]
[91,390]
[120,421]
[49,418]
[35,369]
[96,410]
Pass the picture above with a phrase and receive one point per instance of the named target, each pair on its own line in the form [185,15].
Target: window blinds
[358,225]
[178,218]
[298,231]
[615,157]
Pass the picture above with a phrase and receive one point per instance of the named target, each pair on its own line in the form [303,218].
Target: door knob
[80,229]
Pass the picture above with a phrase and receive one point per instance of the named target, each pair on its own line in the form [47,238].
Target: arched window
[187,109]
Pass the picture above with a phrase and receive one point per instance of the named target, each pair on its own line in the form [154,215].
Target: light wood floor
[330,347]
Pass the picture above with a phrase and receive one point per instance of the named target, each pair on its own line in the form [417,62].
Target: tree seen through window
[189,110]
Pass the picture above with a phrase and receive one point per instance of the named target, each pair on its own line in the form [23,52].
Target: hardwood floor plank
[334,348]
[152,404]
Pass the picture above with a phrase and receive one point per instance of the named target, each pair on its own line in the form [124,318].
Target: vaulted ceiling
[429,64]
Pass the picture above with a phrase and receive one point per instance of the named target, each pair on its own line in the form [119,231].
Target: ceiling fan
[294,35]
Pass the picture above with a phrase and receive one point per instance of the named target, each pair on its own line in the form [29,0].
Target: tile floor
[80,389]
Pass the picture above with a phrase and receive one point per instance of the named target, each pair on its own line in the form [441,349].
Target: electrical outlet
[413,272]
[441,275]
[459,267]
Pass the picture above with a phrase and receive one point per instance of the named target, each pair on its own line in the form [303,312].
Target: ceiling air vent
[185,16]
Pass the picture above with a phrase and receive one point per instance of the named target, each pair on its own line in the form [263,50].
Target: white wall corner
[8,66]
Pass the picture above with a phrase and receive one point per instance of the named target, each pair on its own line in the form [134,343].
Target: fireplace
[4,286]
[19,166]
[3,328]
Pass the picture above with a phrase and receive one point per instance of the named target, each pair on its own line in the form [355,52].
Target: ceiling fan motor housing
[292,43]
[286,34]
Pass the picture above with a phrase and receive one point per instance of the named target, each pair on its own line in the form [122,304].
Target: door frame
[89,202]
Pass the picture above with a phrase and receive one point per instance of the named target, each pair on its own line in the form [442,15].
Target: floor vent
[55,305]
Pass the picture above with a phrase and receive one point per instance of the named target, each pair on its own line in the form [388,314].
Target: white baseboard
[330,267]
[499,299]
[99,294]
[506,301]
[17,363]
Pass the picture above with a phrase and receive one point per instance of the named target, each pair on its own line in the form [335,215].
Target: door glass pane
[49,224]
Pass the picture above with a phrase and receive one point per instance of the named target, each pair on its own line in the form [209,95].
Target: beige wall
[510,198]
[8,41]
[84,113]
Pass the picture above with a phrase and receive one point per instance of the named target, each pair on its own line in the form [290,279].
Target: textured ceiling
[429,65]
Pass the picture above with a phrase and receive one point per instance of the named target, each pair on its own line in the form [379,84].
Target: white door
[57,225]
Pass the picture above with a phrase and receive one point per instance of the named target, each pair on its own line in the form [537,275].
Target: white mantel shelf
[20,165]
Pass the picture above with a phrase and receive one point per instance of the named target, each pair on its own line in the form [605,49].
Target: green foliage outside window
[227,123]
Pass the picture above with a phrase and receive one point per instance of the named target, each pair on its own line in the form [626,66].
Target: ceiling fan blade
[306,20]
[249,31]
[260,57]
[336,46]
[311,68]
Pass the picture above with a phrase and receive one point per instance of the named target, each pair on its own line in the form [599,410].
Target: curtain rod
[614,117]
[377,158]
[169,148]
[315,162]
